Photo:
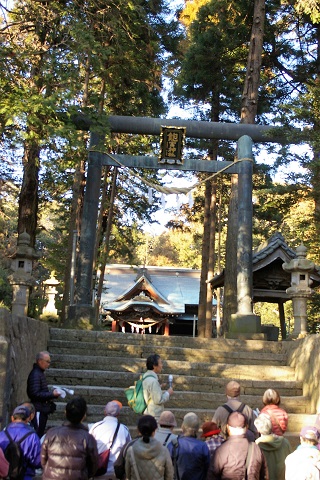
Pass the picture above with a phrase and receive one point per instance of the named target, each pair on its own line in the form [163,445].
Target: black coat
[38,391]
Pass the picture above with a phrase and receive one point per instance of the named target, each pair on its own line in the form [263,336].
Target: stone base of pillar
[81,317]
[296,336]
[245,323]
[245,336]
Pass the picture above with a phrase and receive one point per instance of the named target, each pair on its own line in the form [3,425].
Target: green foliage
[313,313]
[173,248]
[5,288]
[309,7]
[268,312]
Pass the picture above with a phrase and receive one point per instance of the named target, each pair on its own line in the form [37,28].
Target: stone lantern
[21,279]
[50,292]
[300,269]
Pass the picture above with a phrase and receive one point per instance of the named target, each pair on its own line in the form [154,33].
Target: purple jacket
[31,446]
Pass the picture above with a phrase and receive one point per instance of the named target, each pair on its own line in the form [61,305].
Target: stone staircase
[100,365]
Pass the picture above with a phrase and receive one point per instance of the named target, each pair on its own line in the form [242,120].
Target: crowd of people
[238,443]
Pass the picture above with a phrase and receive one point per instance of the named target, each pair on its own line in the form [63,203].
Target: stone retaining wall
[304,357]
[20,339]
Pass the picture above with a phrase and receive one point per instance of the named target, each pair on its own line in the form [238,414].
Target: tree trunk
[230,277]
[249,104]
[28,199]
[249,107]
[74,225]
[208,244]
[315,164]
[105,251]
[79,182]
[205,294]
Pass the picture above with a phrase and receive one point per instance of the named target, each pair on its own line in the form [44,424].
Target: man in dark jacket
[190,456]
[18,428]
[69,452]
[39,393]
[237,455]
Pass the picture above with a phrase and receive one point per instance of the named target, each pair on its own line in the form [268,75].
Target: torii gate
[245,134]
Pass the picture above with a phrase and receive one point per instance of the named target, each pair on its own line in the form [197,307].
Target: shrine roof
[169,289]
[270,281]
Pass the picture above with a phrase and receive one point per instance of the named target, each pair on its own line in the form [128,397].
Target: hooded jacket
[275,450]
[152,459]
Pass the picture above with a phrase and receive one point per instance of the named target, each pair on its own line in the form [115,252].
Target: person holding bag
[146,458]
[111,436]
[39,394]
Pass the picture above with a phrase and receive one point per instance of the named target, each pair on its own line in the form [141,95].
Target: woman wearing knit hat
[164,433]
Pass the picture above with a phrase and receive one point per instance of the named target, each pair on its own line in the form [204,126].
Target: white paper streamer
[190,200]
[150,196]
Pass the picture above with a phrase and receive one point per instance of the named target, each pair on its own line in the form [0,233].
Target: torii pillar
[244,321]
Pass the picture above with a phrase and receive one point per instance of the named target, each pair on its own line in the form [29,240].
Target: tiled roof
[266,249]
[177,286]
[274,249]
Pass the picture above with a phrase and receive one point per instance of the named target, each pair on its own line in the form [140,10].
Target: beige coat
[153,395]
[153,461]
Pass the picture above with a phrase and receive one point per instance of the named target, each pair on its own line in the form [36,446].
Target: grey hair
[40,355]
[190,424]
[263,424]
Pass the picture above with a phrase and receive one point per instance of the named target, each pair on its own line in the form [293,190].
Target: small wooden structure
[150,299]
[270,280]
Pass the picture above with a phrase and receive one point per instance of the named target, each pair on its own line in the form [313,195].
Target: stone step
[70,377]
[201,369]
[99,365]
[167,352]
[216,344]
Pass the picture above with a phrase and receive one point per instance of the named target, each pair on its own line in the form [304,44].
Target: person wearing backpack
[21,445]
[234,404]
[154,396]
